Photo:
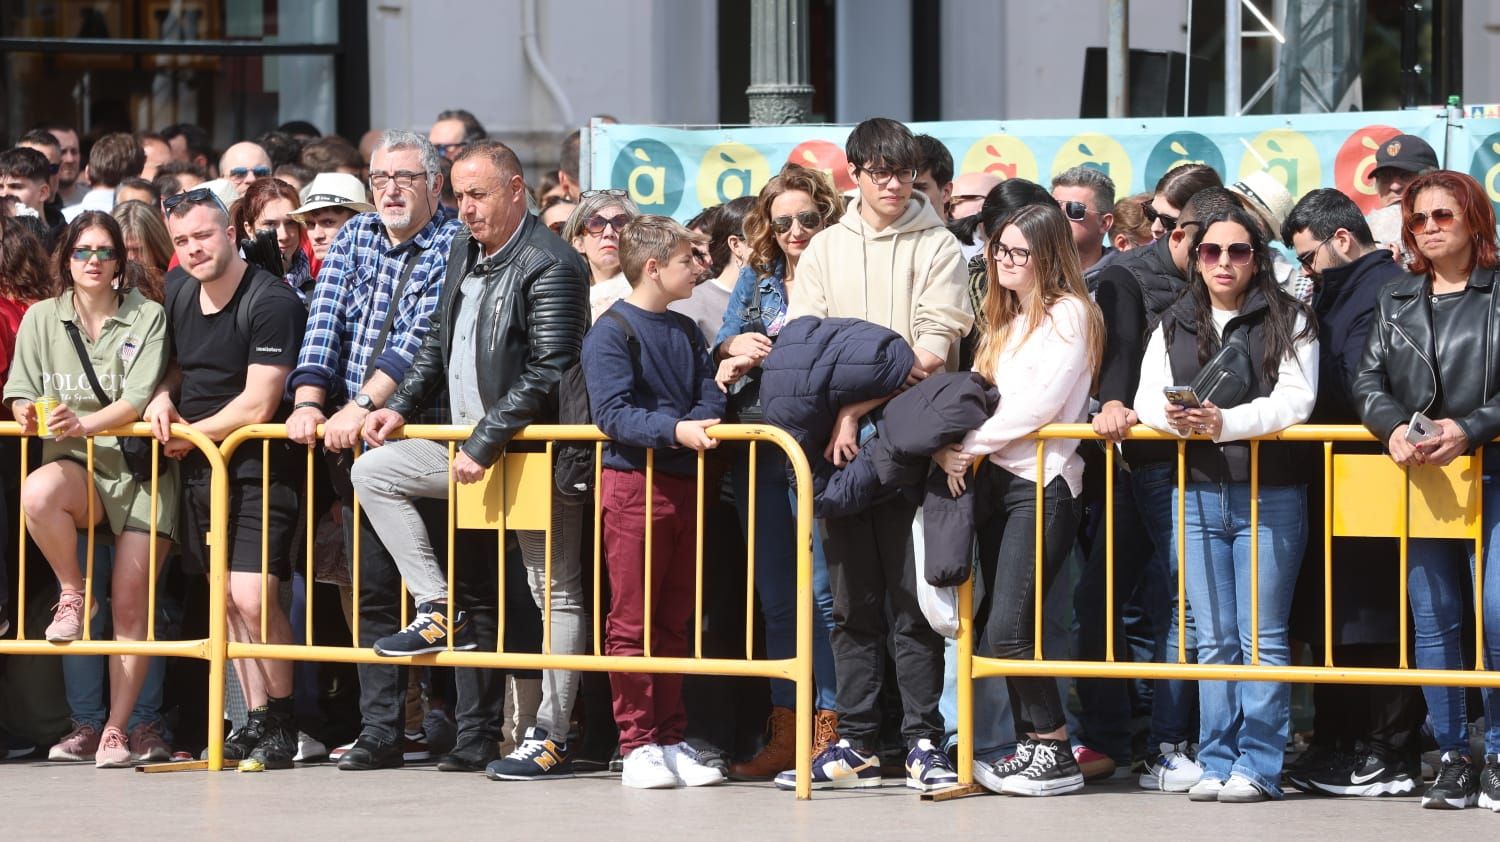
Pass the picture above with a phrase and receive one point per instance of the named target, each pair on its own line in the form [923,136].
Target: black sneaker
[241,741]
[1456,786]
[1371,776]
[428,632]
[368,753]
[990,775]
[537,756]
[469,757]
[277,746]
[1489,783]
[1052,771]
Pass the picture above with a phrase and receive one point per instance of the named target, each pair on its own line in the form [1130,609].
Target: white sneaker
[683,762]
[646,768]
[1173,771]
[1241,790]
[1206,789]
[310,749]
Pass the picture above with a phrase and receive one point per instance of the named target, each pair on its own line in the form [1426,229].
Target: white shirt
[605,293]
[97,199]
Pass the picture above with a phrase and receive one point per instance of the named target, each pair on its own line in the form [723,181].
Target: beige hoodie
[909,277]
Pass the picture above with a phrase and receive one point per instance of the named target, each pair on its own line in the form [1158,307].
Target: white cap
[333,190]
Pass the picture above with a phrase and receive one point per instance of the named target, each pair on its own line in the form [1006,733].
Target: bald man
[243,163]
[969,191]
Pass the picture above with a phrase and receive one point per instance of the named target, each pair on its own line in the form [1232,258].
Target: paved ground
[41,800]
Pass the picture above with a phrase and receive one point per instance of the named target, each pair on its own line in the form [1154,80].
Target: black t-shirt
[215,350]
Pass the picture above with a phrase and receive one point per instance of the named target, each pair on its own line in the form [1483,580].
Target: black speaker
[1156,81]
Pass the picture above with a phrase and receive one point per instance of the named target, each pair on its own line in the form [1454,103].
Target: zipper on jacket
[1422,355]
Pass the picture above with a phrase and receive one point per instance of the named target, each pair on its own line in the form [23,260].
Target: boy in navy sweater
[651,386]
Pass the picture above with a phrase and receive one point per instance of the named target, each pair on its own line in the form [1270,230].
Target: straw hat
[333,190]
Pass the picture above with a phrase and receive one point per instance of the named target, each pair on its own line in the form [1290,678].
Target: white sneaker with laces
[310,749]
[1173,771]
[1206,789]
[646,768]
[1241,790]
[683,762]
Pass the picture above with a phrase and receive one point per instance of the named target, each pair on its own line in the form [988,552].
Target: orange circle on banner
[1356,160]
[1001,155]
[825,156]
[1099,152]
[1289,156]
[729,171]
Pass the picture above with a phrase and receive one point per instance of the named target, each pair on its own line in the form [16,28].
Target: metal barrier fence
[517,494]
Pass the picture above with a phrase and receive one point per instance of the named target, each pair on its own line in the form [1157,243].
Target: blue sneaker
[928,768]
[428,632]
[837,767]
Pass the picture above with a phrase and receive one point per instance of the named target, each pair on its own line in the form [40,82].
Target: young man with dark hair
[25,177]
[190,144]
[890,261]
[44,142]
[139,190]
[113,158]
[935,173]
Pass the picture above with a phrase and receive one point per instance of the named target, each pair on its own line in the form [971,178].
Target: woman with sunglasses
[794,205]
[267,205]
[1432,351]
[1234,302]
[1172,192]
[125,337]
[594,229]
[555,213]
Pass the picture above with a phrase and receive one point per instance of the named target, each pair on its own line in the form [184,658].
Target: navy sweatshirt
[638,405]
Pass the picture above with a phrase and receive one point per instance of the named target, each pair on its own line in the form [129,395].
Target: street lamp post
[778,90]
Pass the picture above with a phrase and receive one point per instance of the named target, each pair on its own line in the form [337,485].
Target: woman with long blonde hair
[1041,348]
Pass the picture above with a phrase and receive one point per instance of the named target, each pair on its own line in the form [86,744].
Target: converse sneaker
[1241,790]
[989,775]
[1369,776]
[310,749]
[1456,786]
[1052,771]
[113,751]
[1173,770]
[78,746]
[538,756]
[840,766]
[1095,765]
[928,768]
[683,761]
[1489,783]
[428,632]
[646,768]
[1206,789]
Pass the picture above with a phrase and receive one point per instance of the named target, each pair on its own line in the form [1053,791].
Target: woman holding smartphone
[1423,361]
[1233,303]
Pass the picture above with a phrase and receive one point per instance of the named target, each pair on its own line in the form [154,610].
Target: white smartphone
[1421,429]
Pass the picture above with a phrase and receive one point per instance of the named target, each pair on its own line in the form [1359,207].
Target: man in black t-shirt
[235,331]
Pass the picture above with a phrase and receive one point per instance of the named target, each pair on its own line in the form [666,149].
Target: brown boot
[825,731]
[779,753]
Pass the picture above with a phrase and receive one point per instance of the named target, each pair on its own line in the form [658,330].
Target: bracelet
[307,405]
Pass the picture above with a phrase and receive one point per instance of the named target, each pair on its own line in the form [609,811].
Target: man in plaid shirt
[351,360]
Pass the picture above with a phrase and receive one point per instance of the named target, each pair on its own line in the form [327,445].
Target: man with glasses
[1398,162]
[890,261]
[454,130]
[381,279]
[242,163]
[1087,198]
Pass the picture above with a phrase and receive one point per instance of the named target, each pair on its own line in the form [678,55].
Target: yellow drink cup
[44,406]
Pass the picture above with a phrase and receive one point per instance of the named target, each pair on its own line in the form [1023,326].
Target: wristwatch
[364,402]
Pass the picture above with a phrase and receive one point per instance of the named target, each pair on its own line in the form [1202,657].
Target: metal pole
[1119,59]
[1233,96]
[778,92]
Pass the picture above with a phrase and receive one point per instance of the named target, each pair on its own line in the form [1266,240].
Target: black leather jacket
[533,314]
[1398,373]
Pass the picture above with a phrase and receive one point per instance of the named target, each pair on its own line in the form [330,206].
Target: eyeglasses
[82,254]
[1240,254]
[54,168]
[809,220]
[239,173]
[192,198]
[882,176]
[1441,217]
[1306,258]
[1017,256]
[612,192]
[1168,221]
[450,150]
[403,178]
[557,226]
[1076,211]
[598,222]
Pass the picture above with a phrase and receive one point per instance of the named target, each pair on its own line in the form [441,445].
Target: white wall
[1481,32]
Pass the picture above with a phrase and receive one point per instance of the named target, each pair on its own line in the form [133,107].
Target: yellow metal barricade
[517,494]
[211,648]
[1365,495]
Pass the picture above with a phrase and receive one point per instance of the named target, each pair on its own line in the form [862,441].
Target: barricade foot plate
[183,766]
[952,792]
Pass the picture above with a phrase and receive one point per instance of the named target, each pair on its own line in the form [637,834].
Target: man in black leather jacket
[510,322]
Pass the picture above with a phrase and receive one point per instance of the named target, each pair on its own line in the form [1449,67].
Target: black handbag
[137,450]
[744,394]
[1228,378]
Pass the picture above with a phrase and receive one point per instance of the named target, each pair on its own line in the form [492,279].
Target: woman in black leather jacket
[1434,351]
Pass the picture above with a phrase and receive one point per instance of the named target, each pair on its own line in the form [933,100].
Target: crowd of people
[910,335]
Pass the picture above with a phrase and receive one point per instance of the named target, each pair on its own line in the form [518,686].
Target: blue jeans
[1440,583]
[1174,703]
[776,572]
[84,675]
[1245,724]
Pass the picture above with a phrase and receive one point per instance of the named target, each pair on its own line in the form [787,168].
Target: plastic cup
[44,406]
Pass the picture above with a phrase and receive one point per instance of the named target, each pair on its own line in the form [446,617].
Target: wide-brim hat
[1269,197]
[333,190]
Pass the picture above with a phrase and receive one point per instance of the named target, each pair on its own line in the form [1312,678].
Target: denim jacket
[773,304]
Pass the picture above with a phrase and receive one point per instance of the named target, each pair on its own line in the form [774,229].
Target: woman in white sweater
[1250,352]
[1041,350]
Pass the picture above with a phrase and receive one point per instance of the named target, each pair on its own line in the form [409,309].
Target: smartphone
[1421,429]
[1183,396]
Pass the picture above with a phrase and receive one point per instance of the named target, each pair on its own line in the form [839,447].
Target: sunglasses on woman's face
[1168,221]
[598,222]
[809,220]
[1441,217]
[1240,254]
[82,254]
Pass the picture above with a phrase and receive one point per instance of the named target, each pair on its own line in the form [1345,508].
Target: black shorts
[282,518]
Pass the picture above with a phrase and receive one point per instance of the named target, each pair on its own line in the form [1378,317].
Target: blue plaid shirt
[353,294]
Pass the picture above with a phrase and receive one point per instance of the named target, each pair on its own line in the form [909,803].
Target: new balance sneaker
[1172,770]
[1094,765]
[1241,790]
[148,744]
[1369,776]
[1206,789]
[682,760]
[278,744]
[78,746]
[646,768]
[1489,783]
[928,768]
[310,749]
[1052,771]
[428,632]
[1456,786]
[840,766]
[990,775]
[113,751]
[538,756]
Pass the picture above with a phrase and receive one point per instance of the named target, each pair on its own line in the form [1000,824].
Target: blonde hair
[1054,264]
[650,236]
[764,250]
